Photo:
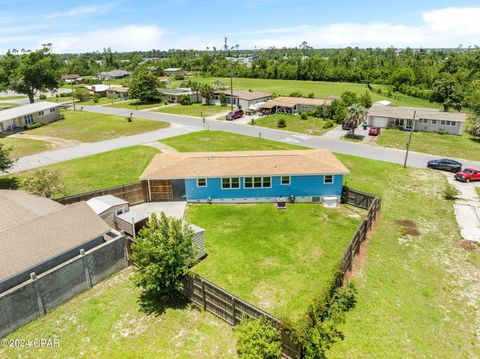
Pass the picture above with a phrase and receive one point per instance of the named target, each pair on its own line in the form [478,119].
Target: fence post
[204,296]
[41,307]
[234,309]
[85,268]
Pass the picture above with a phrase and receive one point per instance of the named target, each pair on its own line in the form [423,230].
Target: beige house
[242,99]
[21,116]
[293,105]
[426,119]
[172,71]
[120,91]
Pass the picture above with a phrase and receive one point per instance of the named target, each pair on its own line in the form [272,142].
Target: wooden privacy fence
[133,193]
[232,309]
[359,199]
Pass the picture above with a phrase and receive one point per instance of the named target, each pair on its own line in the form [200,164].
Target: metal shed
[108,207]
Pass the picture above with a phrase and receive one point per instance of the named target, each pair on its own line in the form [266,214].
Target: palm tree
[356,115]
[207,93]
[475,130]
[196,87]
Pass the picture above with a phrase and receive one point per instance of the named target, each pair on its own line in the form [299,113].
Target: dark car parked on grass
[445,164]
[467,175]
[234,115]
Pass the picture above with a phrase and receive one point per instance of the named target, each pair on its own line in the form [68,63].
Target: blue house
[245,177]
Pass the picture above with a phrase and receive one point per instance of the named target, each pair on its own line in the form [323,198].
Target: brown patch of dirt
[409,227]
[469,246]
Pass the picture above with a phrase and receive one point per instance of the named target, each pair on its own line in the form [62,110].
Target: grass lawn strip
[195,109]
[107,322]
[311,126]
[25,147]
[92,127]
[135,105]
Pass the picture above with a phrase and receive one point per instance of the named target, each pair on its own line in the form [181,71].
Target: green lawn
[319,88]
[277,260]
[195,109]
[97,171]
[135,105]
[400,97]
[464,146]
[311,126]
[417,295]
[25,147]
[89,102]
[92,127]
[7,105]
[17,97]
[108,322]
[204,141]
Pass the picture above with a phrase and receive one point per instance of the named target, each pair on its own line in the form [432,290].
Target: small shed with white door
[108,207]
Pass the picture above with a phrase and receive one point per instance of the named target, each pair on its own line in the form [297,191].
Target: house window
[434,122]
[258,182]
[230,183]
[119,211]
[285,180]
[453,123]
[448,123]
[442,122]
[52,110]
[201,182]
[28,119]
[328,179]
[41,113]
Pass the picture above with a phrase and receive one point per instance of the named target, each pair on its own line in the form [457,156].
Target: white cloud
[126,38]
[82,10]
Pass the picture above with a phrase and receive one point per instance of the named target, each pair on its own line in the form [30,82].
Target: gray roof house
[18,117]
[426,119]
[174,94]
[114,74]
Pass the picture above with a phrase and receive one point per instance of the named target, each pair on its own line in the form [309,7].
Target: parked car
[232,115]
[467,175]
[374,131]
[445,164]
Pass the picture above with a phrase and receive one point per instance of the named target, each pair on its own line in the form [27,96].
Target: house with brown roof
[37,234]
[246,176]
[73,79]
[293,105]
[242,99]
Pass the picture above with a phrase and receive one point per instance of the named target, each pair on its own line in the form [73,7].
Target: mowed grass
[418,296]
[107,322]
[196,109]
[277,260]
[320,89]
[25,147]
[135,105]
[6,105]
[99,171]
[464,146]
[204,141]
[311,126]
[92,127]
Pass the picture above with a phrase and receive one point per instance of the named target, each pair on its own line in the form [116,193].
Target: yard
[204,141]
[108,322]
[464,146]
[92,127]
[135,105]
[311,126]
[277,260]
[196,109]
[25,147]
[320,89]
[7,105]
[89,102]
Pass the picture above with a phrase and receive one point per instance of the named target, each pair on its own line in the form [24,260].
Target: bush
[185,100]
[257,338]
[442,131]
[223,99]
[281,123]
[178,77]
[296,94]
[33,125]
[96,98]
[66,94]
[304,116]
[311,95]
[450,192]
[42,97]
[328,124]
[44,183]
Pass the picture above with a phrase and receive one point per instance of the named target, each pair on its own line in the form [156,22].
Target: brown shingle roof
[71,76]
[44,237]
[421,113]
[243,163]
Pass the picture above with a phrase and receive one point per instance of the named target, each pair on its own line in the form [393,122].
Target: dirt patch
[409,227]
[469,246]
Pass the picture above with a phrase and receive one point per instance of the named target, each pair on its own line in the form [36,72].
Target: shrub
[6,160]
[311,95]
[44,183]
[96,98]
[33,125]
[450,192]
[185,100]
[281,123]
[442,131]
[42,97]
[82,94]
[328,124]
[223,99]
[178,77]
[304,116]
[257,338]
[165,102]
[296,94]
[66,94]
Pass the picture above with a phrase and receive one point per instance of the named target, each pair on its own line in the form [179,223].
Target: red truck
[233,115]
[467,175]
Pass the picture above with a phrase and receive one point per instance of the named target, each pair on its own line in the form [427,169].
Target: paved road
[185,124]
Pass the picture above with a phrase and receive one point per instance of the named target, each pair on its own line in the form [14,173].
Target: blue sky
[77,26]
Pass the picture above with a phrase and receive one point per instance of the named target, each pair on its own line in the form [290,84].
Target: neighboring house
[247,61]
[174,95]
[293,105]
[98,89]
[172,71]
[120,91]
[242,99]
[37,234]
[108,207]
[73,79]
[114,74]
[21,116]
[250,176]
[426,119]
[164,80]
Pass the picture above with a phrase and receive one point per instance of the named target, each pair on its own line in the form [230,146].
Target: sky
[80,26]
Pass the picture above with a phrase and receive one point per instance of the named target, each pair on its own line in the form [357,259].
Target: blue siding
[299,186]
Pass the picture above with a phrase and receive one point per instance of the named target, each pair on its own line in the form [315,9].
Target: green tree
[82,94]
[366,100]
[257,338]
[338,111]
[144,87]
[44,183]
[223,99]
[349,98]
[207,93]
[31,72]
[6,160]
[163,255]
[475,130]
[356,115]
[402,76]
[185,100]
[448,92]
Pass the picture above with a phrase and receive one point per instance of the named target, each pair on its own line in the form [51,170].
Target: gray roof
[420,113]
[101,204]
[175,92]
[115,73]
[20,111]
[36,241]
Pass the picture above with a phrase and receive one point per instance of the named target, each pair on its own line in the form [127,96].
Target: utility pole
[231,85]
[73,98]
[409,139]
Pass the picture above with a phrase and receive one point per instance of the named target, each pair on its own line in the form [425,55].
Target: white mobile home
[21,116]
